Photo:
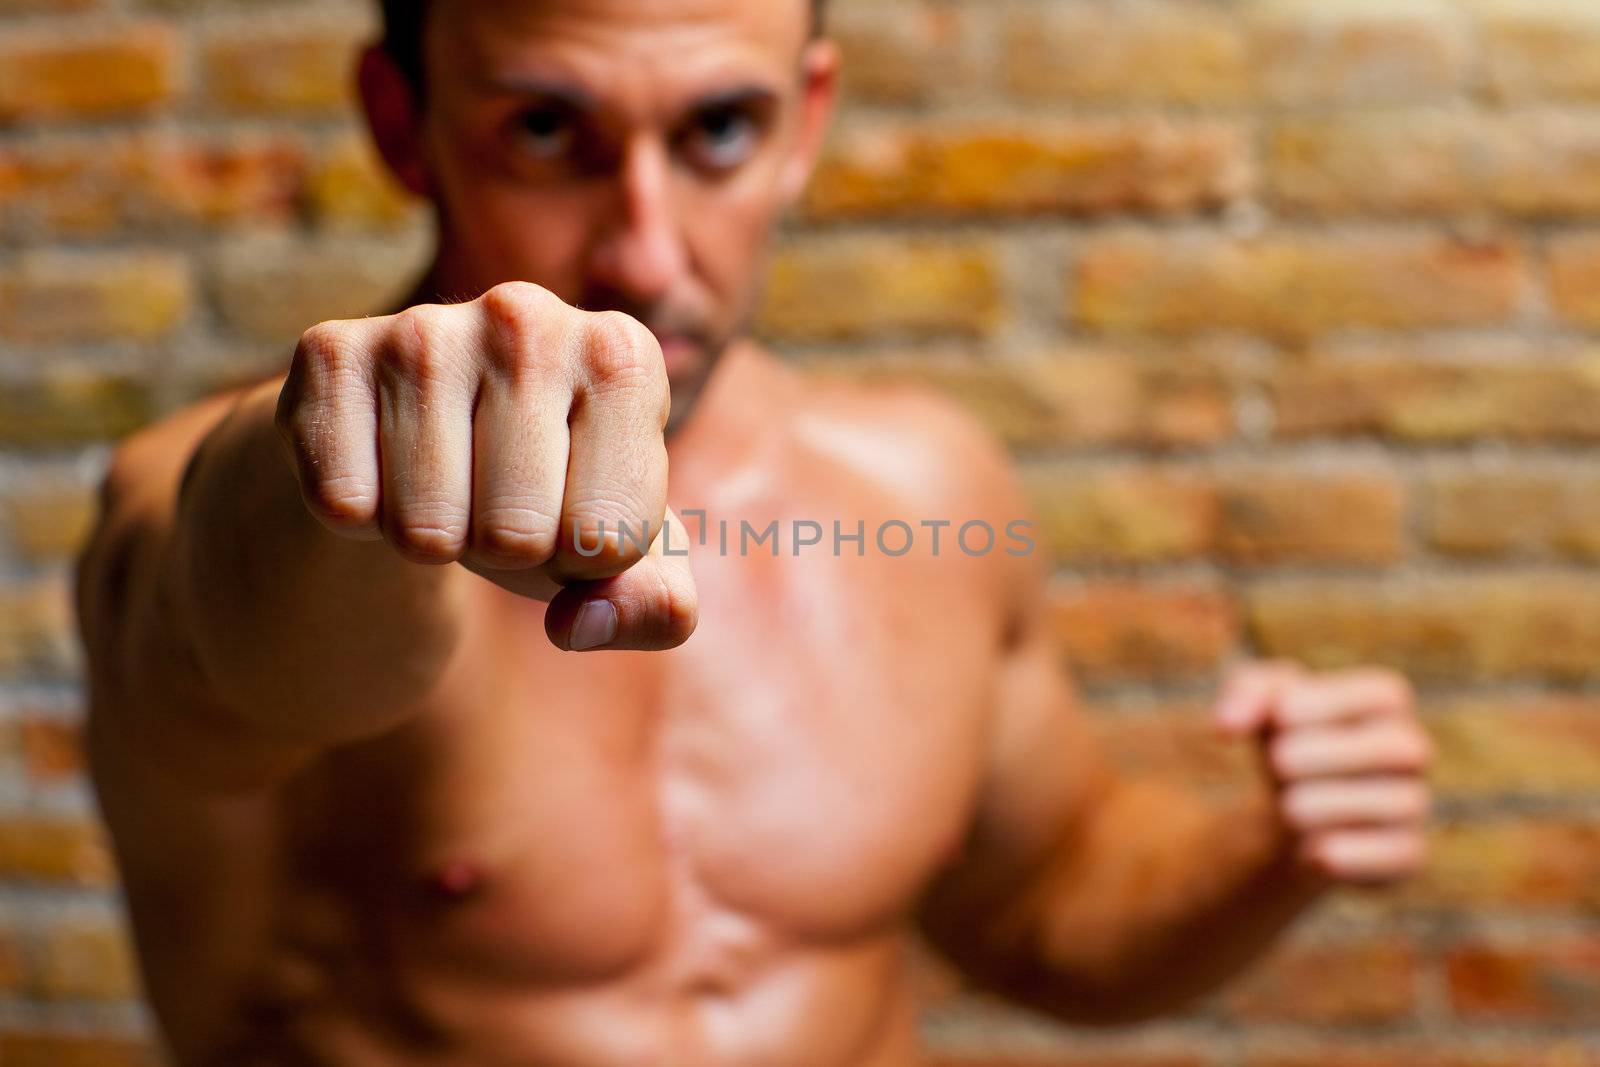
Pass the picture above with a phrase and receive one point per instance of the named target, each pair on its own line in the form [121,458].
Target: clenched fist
[506,433]
[1348,760]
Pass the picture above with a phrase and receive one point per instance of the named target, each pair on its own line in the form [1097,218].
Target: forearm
[1169,897]
[310,635]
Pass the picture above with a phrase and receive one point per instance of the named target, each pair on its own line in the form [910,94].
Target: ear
[394,115]
[819,71]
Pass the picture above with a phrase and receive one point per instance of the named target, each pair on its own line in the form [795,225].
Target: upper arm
[150,714]
[1045,775]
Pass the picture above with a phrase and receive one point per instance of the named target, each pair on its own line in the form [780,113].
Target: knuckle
[418,349]
[672,606]
[615,510]
[1413,749]
[516,306]
[620,351]
[520,317]
[682,607]
[328,347]
[1296,807]
[344,500]
[517,535]
[1282,757]
[1324,855]
[423,543]
[1394,687]
[429,533]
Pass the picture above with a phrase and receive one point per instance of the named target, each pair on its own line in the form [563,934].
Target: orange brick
[19,7]
[1287,53]
[1438,162]
[1575,278]
[1319,53]
[1077,1055]
[1538,981]
[1514,511]
[36,630]
[1352,982]
[1280,516]
[1535,864]
[57,849]
[349,186]
[1014,169]
[903,53]
[151,179]
[13,963]
[1249,515]
[68,405]
[84,959]
[1395,393]
[37,1048]
[275,289]
[49,523]
[835,288]
[270,68]
[1076,396]
[52,749]
[1294,287]
[1461,1051]
[87,71]
[239,179]
[1526,747]
[1150,53]
[1125,516]
[1114,629]
[93,296]
[1542,49]
[1463,628]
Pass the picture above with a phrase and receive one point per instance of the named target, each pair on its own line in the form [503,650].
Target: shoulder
[911,452]
[117,574]
[910,442]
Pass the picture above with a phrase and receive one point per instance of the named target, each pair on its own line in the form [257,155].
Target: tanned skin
[372,810]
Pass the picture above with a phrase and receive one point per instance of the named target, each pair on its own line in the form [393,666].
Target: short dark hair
[403,22]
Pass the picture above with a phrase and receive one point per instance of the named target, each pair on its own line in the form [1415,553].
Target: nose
[640,254]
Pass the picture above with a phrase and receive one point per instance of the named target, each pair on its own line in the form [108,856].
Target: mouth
[679,351]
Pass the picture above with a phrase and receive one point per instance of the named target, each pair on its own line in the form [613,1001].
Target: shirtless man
[374,808]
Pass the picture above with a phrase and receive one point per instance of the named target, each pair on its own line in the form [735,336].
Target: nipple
[456,880]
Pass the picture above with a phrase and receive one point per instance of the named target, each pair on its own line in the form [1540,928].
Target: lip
[677,351]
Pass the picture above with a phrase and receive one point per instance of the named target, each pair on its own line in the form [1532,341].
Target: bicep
[148,703]
[1044,770]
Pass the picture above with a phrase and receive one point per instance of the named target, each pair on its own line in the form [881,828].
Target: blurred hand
[1348,759]
[505,433]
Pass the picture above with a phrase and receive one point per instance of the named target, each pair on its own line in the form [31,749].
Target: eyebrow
[743,96]
[563,93]
[577,99]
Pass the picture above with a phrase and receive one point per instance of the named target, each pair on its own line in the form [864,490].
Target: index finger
[1345,697]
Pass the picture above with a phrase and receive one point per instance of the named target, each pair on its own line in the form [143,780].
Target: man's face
[625,154]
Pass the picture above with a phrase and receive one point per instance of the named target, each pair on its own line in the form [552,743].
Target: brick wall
[1290,310]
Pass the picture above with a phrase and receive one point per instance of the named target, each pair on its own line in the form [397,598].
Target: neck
[736,420]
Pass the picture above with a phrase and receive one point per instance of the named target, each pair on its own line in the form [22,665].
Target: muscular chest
[795,772]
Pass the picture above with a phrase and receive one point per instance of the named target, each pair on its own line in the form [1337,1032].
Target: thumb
[1249,697]
[650,607]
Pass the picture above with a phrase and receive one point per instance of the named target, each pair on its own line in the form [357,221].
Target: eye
[545,132]
[721,138]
